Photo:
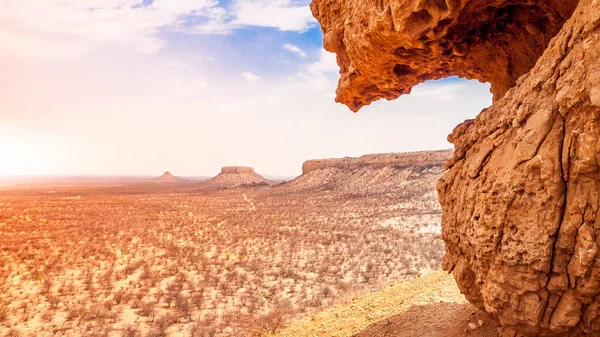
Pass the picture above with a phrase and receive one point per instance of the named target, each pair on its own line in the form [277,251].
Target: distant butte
[236,176]
[167,177]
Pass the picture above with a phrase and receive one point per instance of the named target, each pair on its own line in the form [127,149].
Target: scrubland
[150,261]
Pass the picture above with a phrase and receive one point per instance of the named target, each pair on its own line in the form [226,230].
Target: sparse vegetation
[119,262]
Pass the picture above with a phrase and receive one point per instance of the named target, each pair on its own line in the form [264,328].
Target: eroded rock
[385,47]
[417,159]
[521,194]
[236,169]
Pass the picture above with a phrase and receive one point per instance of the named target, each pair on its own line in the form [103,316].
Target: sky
[138,87]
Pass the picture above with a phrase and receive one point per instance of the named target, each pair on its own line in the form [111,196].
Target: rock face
[236,169]
[521,194]
[421,159]
[385,47]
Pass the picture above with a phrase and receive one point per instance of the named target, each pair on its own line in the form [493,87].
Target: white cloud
[63,29]
[326,63]
[443,93]
[176,64]
[282,14]
[285,15]
[68,29]
[320,74]
[294,49]
[250,77]
[189,86]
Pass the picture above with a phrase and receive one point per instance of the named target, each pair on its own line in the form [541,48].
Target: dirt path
[430,306]
[250,202]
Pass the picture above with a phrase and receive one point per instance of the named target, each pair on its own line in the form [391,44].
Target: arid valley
[170,257]
[468,207]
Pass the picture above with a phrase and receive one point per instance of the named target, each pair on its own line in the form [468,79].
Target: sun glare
[14,161]
[23,158]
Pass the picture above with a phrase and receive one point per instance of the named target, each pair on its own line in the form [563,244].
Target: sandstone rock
[385,47]
[424,158]
[521,194]
[236,169]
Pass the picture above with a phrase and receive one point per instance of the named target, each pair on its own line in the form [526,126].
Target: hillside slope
[402,197]
[235,176]
[430,306]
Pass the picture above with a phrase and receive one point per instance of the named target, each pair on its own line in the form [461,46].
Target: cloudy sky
[142,86]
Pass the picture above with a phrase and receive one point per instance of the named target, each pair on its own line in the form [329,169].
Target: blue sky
[190,86]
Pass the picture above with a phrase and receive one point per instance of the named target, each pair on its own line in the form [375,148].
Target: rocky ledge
[236,169]
[424,158]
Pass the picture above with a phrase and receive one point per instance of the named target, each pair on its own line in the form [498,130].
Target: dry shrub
[200,329]
[256,326]
[130,331]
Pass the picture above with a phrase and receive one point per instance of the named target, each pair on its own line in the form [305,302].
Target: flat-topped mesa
[386,47]
[236,170]
[424,158]
[236,176]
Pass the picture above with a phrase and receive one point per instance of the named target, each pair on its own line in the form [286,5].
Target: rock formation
[521,194]
[385,47]
[235,176]
[167,178]
[409,179]
[424,158]
[236,169]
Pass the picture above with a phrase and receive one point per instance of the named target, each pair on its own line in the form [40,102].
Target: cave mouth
[416,41]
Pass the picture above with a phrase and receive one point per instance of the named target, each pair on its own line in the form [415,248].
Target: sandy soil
[430,306]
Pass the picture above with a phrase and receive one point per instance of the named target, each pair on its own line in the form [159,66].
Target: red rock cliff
[521,195]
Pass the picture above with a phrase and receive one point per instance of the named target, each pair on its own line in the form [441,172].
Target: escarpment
[521,193]
[424,158]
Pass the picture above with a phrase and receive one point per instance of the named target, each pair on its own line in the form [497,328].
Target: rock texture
[236,169]
[521,194]
[421,159]
[413,175]
[385,47]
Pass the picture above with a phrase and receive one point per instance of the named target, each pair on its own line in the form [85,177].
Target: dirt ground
[430,306]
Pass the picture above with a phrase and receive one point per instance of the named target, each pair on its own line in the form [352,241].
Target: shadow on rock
[435,320]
